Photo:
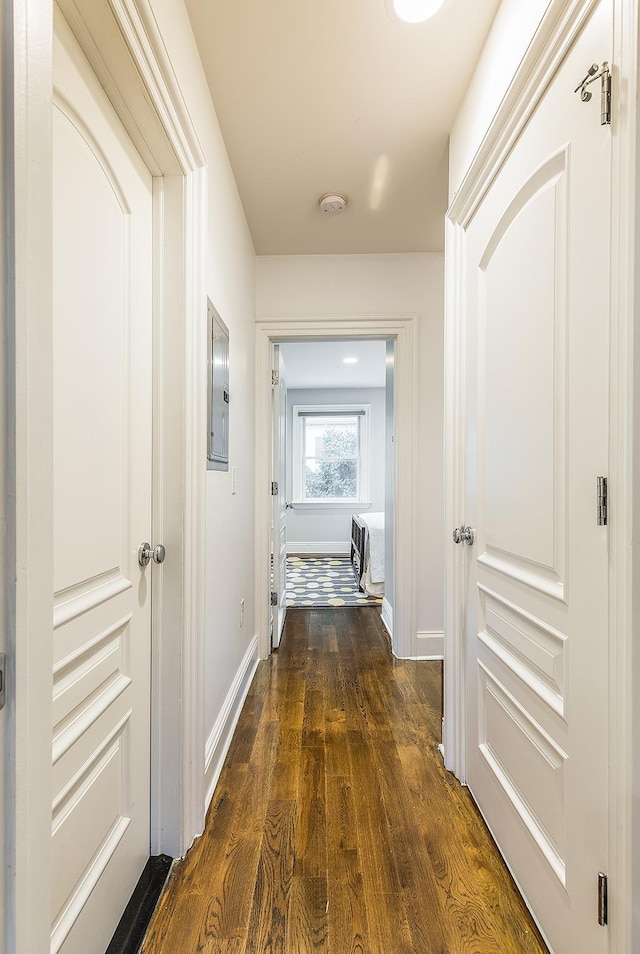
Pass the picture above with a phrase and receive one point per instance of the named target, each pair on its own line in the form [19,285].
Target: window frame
[362,498]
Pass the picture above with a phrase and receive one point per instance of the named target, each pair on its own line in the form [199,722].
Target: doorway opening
[332,475]
[396,337]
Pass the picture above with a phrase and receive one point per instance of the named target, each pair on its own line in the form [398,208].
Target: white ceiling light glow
[350,360]
[416,11]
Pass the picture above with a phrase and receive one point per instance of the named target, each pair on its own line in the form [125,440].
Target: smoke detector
[332,203]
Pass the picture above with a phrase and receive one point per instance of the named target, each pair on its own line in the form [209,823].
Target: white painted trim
[429,645]
[191,705]
[624,486]
[29,536]
[387,616]
[455,713]
[404,330]
[219,738]
[321,546]
[561,23]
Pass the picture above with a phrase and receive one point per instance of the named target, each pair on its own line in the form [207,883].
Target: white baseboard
[323,546]
[429,645]
[387,615]
[220,736]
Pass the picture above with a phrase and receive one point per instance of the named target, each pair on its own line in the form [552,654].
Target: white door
[537,345]
[279,518]
[101,502]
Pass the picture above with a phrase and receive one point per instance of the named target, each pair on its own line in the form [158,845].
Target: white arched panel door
[537,391]
[102,321]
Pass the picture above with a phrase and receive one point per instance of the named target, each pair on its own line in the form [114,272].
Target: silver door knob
[463,535]
[146,553]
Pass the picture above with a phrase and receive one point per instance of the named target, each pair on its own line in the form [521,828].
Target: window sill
[352,505]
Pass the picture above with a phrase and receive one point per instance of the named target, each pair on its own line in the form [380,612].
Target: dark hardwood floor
[334,826]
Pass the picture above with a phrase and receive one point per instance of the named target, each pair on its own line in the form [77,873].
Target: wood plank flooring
[334,826]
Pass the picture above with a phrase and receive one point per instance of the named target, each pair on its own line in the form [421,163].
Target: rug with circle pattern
[324,581]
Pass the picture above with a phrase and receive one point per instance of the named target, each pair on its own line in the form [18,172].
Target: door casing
[124,46]
[403,330]
[560,25]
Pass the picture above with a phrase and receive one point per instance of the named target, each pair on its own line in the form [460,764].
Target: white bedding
[374,560]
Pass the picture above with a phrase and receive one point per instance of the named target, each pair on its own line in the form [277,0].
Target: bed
[367,552]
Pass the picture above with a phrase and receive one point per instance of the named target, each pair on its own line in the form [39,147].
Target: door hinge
[275,378]
[602,501]
[3,679]
[603,899]
[274,598]
[604,74]
[274,488]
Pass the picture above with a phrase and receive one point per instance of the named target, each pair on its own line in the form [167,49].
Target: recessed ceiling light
[350,360]
[416,11]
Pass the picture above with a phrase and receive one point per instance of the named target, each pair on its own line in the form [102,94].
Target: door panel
[279,521]
[522,395]
[102,508]
[536,439]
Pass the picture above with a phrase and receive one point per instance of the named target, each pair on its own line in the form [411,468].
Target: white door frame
[122,41]
[404,330]
[560,25]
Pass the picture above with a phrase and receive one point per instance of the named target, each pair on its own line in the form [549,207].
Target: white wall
[231,287]
[510,35]
[334,525]
[412,283]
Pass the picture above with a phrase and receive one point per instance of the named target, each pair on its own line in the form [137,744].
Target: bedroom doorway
[333,465]
[401,527]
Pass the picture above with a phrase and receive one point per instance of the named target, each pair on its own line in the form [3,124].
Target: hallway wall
[401,284]
[231,287]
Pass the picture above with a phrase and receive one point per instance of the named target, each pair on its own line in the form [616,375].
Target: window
[330,454]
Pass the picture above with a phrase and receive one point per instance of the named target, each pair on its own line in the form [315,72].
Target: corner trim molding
[387,616]
[429,644]
[219,739]
[320,546]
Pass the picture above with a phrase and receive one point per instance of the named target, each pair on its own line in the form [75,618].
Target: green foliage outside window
[332,472]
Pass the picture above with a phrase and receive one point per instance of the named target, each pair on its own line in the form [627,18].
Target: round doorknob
[463,535]
[146,553]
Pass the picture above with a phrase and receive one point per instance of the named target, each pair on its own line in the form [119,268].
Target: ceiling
[317,96]
[320,364]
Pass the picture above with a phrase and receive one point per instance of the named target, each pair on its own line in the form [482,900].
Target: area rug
[324,581]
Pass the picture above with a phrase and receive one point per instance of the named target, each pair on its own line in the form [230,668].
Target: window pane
[335,440]
[331,478]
